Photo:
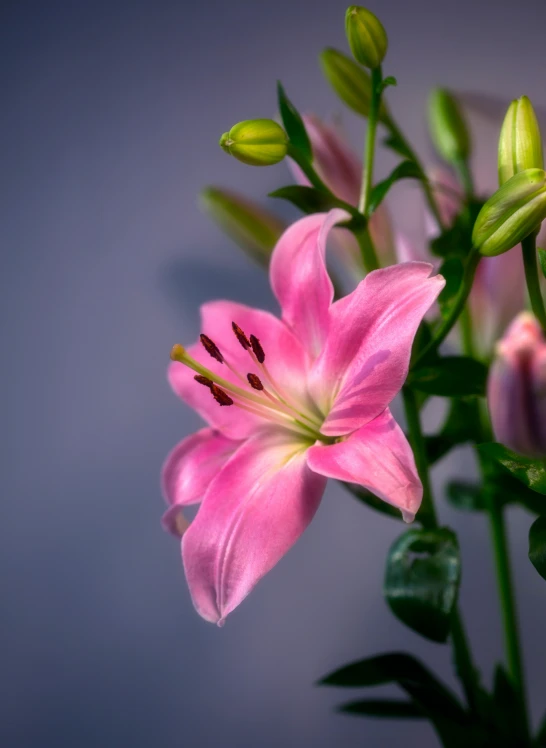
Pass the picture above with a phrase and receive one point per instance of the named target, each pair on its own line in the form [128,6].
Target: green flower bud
[515,211]
[447,127]
[366,36]
[520,142]
[258,142]
[251,227]
[352,84]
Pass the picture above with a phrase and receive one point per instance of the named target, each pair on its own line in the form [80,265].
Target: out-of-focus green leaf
[452,376]
[537,545]
[405,170]
[383,708]
[532,473]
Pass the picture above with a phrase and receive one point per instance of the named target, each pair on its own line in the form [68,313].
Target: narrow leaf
[386,82]
[465,496]
[452,270]
[452,376]
[462,425]
[396,144]
[405,170]
[293,124]
[537,545]
[307,199]
[383,708]
[531,473]
[422,580]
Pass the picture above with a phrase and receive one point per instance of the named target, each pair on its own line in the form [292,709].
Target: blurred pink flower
[517,388]
[289,403]
[341,170]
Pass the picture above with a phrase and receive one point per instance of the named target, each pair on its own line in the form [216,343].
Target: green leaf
[452,376]
[537,545]
[389,708]
[293,124]
[456,241]
[307,199]
[462,425]
[542,261]
[464,495]
[532,473]
[386,82]
[405,170]
[452,270]
[371,500]
[396,144]
[422,580]
[508,715]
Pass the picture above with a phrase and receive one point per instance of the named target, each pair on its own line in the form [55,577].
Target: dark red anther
[203,380]
[241,337]
[211,348]
[254,381]
[220,396]
[257,349]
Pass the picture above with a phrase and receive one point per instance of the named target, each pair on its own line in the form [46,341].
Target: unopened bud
[520,142]
[366,36]
[448,128]
[516,390]
[350,82]
[251,227]
[258,142]
[515,211]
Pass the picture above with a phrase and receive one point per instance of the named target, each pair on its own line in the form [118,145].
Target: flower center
[260,394]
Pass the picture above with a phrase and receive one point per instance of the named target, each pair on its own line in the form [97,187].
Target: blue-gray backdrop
[111,113]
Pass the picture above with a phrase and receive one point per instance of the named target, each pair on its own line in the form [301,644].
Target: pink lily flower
[290,402]
[341,170]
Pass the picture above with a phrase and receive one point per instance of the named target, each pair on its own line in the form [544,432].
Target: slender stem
[397,134]
[467,333]
[461,649]
[465,176]
[369,150]
[456,308]
[367,249]
[528,246]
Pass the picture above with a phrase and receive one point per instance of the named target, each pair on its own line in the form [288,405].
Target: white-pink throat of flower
[260,394]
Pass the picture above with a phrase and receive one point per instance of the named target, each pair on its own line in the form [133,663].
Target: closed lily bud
[350,82]
[366,36]
[258,142]
[515,211]
[254,229]
[520,142]
[448,128]
[517,388]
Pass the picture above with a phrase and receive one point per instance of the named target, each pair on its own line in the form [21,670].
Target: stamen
[203,380]
[257,349]
[241,337]
[220,396]
[211,348]
[254,381]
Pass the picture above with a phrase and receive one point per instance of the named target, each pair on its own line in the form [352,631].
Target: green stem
[397,134]
[369,150]
[528,246]
[427,515]
[456,308]
[367,249]
[465,175]
[297,156]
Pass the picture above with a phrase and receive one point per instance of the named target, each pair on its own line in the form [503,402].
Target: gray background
[110,115]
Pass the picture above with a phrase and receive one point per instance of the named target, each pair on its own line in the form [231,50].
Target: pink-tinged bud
[341,170]
[517,388]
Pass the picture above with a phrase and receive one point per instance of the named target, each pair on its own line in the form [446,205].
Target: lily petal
[252,513]
[285,358]
[366,357]
[188,470]
[300,280]
[378,457]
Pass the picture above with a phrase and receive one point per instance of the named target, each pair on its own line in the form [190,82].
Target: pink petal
[378,457]
[284,357]
[300,280]
[365,360]
[188,470]
[252,513]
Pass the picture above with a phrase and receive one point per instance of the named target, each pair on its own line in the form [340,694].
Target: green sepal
[293,124]
[422,580]
[532,473]
[451,376]
[405,170]
[542,261]
[383,709]
[537,545]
